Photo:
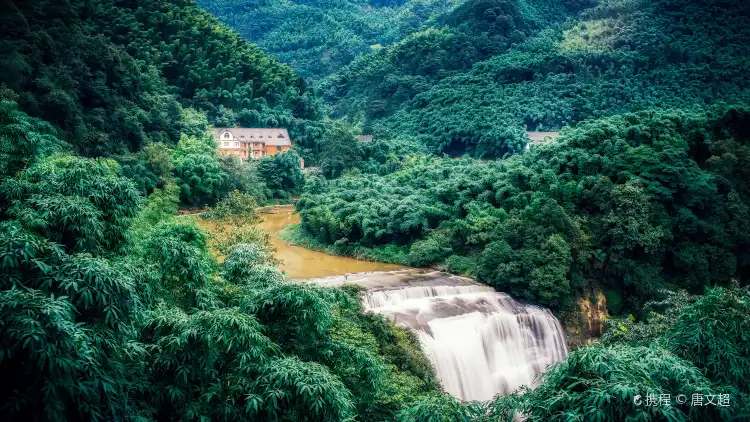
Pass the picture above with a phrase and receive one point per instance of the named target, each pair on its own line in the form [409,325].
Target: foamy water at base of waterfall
[481,342]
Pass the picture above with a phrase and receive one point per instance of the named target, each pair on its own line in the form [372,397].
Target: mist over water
[481,342]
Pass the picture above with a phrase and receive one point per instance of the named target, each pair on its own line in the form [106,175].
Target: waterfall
[481,342]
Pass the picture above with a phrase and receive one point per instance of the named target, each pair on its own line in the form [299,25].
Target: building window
[236,144]
[281,135]
[225,144]
[227,135]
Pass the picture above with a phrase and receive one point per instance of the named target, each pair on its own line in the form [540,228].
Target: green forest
[317,38]
[118,302]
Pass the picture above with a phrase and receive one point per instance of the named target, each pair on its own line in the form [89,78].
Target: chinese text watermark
[696,399]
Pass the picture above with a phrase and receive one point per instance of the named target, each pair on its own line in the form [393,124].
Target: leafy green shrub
[82,204]
[198,171]
[423,253]
[150,168]
[712,333]
[23,139]
[461,265]
[339,151]
[282,173]
[236,204]
[180,250]
[600,383]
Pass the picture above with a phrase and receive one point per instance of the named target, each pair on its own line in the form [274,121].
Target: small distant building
[539,137]
[251,143]
[363,138]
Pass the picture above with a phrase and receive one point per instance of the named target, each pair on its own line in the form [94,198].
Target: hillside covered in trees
[618,56]
[377,84]
[115,75]
[113,307]
[317,38]
[648,96]
[633,203]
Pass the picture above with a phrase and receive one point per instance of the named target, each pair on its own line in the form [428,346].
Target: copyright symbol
[637,400]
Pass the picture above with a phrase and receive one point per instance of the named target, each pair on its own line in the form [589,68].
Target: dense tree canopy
[378,84]
[316,38]
[620,56]
[340,151]
[115,76]
[159,330]
[633,203]
[281,173]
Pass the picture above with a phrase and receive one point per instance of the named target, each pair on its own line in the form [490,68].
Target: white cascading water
[481,342]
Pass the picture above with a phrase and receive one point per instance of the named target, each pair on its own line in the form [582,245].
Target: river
[481,342]
[302,263]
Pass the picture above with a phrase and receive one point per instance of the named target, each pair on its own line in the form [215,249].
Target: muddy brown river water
[301,263]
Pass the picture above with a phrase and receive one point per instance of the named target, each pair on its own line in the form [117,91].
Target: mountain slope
[377,84]
[619,56]
[318,37]
[108,73]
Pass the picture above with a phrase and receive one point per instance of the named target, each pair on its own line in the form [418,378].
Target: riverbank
[296,235]
[300,262]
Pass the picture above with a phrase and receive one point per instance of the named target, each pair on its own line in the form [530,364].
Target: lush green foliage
[709,330]
[112,309]
[159,330]
[600,383]
[63,307]
[197,166]
[149,168]
[281,173]
[23,138]
[115,76]
[317,38]
[618,57]
[632,203]
[229,79]
[82,205]
[340,151]
[377,84]
[64,72]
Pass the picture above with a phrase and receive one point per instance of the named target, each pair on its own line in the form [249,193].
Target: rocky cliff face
[587,324]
